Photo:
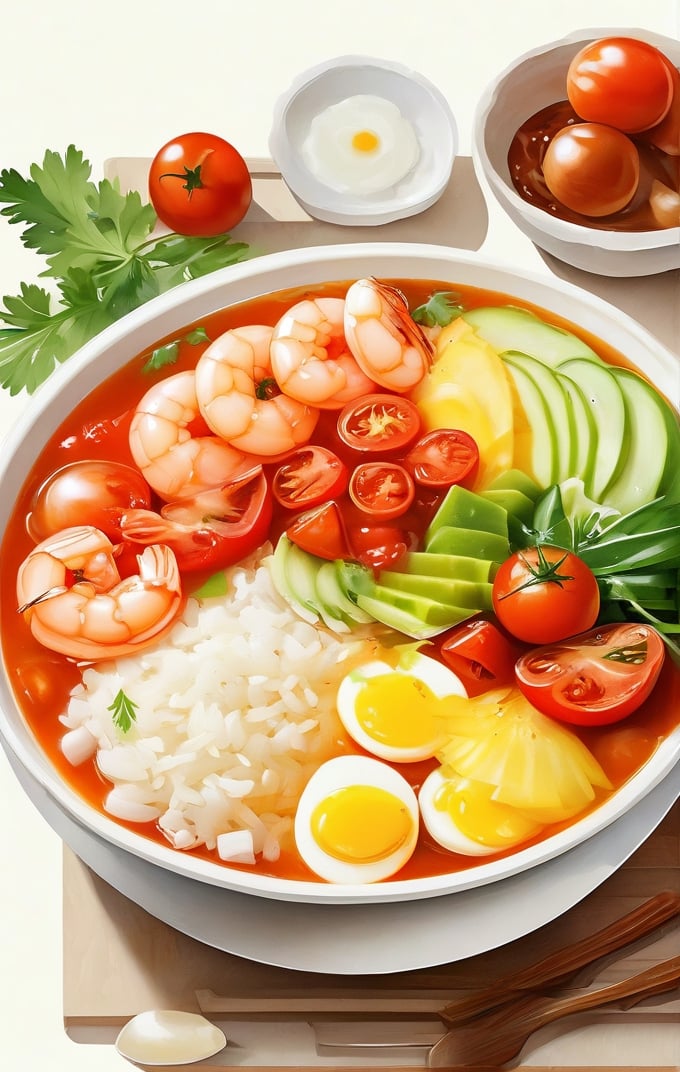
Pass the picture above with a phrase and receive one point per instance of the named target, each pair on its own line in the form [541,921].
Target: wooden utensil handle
[564,963]
[655,980]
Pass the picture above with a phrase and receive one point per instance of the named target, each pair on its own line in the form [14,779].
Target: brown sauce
[98,428]
[525,160]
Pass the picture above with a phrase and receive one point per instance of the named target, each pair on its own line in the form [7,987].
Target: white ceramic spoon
[169,1037]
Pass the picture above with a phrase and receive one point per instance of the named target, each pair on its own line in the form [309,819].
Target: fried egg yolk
[357,821]
[360,145]
[462,816]
[396,713]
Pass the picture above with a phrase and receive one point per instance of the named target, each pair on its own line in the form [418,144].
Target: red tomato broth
[98,428]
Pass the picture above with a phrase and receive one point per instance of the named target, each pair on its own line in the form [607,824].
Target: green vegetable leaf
[169,352]
[440,309]
[124,711]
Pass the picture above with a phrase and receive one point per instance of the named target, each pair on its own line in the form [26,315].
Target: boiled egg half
[394,711]
[356,821]
[360,145]
[461,815]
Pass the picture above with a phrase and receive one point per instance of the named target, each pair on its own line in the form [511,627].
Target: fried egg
[361,145]
[392,711]
[356,821]
[461,816]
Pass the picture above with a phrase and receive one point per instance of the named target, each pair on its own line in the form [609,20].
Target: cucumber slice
[398,619]
[537,450]
[509,328]
[513,501]
[585,431]
[516,479]
[475,595]
[430,614]
[559,409]
[334,600]
[280,570]
[639,482]
[460,567]
[468,509]
[606,403]
[453,540]
[670,481]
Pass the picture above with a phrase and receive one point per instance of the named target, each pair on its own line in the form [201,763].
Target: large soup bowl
[164,317]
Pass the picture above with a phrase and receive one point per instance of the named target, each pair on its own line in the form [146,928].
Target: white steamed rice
[235,709]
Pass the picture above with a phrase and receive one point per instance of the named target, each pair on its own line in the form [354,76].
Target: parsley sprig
[123,711]
[439,310]
[102,259]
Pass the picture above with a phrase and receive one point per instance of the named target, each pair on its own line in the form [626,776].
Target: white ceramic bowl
[165,317]
[418,100]
[535,80]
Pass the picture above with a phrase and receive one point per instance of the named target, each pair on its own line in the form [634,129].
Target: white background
[120,79]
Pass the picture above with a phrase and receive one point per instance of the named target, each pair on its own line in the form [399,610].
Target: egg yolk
[361,824]
[365,141]
[398,710]
[480,818]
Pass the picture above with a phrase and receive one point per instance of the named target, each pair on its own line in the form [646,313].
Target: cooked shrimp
[240,399]
[386,341]
[174,462]
[310,357]
[71,592]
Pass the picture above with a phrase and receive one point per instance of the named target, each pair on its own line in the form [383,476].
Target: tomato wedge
[481,654]
[210,530]
[321,531]
[309,476]
[384,490]
[599,677]
[378,546]
[443,457]
[379,423]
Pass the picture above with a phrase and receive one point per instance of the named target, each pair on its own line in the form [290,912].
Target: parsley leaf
[101,255]
[439,309]
[124,711]
[169,352]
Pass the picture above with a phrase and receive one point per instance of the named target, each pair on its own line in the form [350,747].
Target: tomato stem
[544,573]
[192,176]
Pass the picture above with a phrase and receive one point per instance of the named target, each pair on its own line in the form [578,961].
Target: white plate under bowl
[359,939]
[168,314]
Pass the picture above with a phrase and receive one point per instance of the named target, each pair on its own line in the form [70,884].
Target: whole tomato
[199,184]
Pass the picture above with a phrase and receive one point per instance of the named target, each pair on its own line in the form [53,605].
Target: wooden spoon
[496,1037]
[563,964]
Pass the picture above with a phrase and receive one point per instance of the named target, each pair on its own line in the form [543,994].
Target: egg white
[330,155]
[339,773]
[439,679]
[442,827]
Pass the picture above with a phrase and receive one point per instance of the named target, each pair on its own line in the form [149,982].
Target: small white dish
[420,103]
[531,82]
[169,1037]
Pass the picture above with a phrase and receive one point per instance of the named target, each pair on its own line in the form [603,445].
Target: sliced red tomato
[321,531]
[379,423]
[378,546]
[382,489]
[88,492]
[309,476]
[443,457]
[599,677]
[210,530]
[481,653]
[544,594]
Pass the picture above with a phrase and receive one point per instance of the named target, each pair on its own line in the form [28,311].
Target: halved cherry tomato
[382,489]
[621,81]
[210,530]
[199,184]
[88,492]
[378,546]
[321,531]
[443,457]
[309,476]
[481,653]
[379,423]
[545,593]
[596,678]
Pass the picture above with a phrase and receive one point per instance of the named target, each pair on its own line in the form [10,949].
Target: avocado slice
[454,540]
[608,408]
[510,328]
[537,448]
[457,567]
[470,510]
[559,409]
[475,595]
[639,482]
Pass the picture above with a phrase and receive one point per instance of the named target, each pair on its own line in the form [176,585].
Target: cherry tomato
[622,82]
[544,594]
[443,457]
[592,168]
[88,492]
[379,423]
[666,134]
[309,476]
[382,489]
[596,678]
[211,530]
[481,653]
[321,531]
[378,546]
[199,185]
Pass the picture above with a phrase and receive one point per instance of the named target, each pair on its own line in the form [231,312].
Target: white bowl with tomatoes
[166,317]
[579,141]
